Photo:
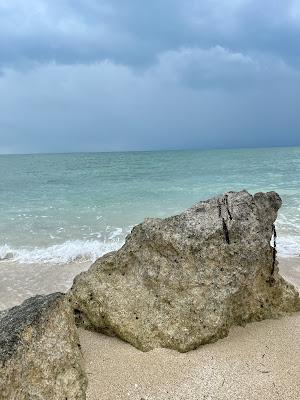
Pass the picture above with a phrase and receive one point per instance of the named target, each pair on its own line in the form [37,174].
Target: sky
[108,75]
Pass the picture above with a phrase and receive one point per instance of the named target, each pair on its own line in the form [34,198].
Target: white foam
[69,251]
[5,252]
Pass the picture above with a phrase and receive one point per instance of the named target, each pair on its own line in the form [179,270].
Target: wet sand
[290,270]
[260,361]
[20,281]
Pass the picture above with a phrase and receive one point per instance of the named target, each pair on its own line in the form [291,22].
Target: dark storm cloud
[112,75]
[131,32]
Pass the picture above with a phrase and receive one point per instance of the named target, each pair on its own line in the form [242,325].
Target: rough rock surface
[183,281]
[40,357]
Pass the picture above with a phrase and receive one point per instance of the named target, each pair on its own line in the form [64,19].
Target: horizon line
[151,150]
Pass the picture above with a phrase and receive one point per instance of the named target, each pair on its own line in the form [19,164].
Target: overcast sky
[102,75]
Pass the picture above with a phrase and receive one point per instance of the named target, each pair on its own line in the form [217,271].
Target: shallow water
[56,209]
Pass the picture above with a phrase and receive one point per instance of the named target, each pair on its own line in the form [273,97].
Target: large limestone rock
[40,357]
[183,281]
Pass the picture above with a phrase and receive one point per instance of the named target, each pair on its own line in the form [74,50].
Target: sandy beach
[260,361]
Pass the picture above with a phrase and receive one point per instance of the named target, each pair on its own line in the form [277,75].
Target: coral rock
[183,281]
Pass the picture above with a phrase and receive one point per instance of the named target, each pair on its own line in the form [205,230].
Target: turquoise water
[66,207]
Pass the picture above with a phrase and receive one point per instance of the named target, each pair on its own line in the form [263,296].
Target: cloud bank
[100,76]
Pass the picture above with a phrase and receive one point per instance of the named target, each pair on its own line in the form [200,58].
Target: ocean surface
[64,208]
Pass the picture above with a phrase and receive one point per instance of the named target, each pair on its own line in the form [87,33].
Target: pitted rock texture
[40,358]
[182,281]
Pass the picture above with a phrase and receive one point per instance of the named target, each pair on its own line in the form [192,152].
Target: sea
[69,209]
[57,208]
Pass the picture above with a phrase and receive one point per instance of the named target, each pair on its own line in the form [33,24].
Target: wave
[67,252]
[90,250]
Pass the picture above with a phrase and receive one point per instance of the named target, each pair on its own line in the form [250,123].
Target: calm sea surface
[74,207]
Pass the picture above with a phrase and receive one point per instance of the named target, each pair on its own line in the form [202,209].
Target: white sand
[260,361]
[20,281]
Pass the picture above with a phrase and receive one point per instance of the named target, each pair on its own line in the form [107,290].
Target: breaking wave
[67,252]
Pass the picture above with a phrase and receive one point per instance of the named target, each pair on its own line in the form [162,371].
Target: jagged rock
[40,357]
[183,281]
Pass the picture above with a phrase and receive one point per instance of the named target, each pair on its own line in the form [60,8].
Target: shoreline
[21,281]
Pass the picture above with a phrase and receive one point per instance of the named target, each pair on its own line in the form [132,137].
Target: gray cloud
[98,75]
[130,32]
